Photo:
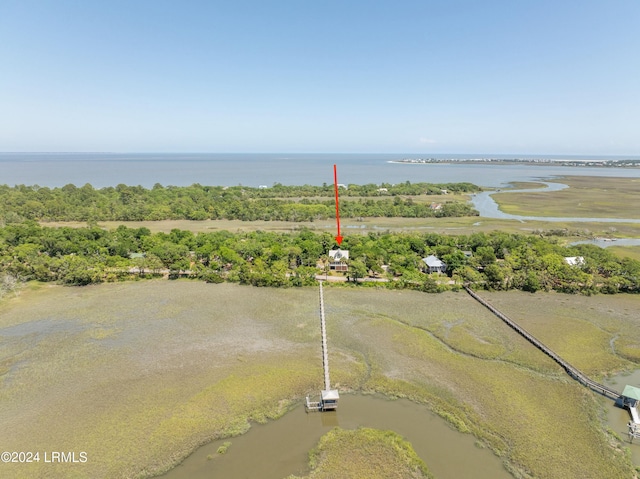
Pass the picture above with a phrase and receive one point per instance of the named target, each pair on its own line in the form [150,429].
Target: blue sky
[450,76]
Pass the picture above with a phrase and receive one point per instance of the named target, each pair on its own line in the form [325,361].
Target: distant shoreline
[622,163]
[102,170]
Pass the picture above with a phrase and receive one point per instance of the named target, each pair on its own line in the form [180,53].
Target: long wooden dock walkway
[323,333]
[572,371]
[328,397]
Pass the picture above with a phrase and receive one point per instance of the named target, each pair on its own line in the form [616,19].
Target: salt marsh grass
[452,225]
[139,374]
[365,453]
[632,252]
[587,196]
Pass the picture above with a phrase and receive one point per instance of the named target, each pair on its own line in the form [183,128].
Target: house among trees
[574,260]
[337,259]
[434,265]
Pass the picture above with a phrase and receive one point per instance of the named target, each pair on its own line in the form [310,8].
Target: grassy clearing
[352,226]
[365,453]
[632,252]
[452,226]
[428,199]
[586,196]
[139,374]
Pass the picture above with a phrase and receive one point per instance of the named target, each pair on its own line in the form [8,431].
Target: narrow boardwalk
[328,397]
[325,352]
[572,371]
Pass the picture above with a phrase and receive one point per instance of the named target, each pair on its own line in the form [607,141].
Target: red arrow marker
[335,184]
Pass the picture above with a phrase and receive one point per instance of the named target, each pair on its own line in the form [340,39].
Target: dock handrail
[572,371]
[325,353]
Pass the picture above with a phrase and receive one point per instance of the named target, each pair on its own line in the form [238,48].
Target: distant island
[600,163]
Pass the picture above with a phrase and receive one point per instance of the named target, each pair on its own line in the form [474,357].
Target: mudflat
[137,375]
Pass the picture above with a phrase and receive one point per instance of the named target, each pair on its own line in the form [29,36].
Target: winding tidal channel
[280,448]
[488,208]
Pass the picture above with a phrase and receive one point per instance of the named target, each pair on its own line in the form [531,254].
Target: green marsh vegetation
[141,373]
[632,252]
[365,453]
[597,335]
[224,448]
[365,208]
[450,226]
[586,196]
[138,374]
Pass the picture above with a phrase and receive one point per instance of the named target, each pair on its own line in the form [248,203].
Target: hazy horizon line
[424,155]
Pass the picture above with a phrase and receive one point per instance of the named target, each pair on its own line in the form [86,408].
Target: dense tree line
[497,260]
[386,189]
[196,202]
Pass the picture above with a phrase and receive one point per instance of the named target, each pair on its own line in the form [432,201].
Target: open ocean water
[147,169]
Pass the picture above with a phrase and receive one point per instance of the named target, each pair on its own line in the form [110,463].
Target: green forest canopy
[197,202]
[497,260]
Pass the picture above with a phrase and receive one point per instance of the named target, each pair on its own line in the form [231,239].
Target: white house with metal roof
[434,264]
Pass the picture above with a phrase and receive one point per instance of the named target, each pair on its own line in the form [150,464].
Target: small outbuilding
[329,399]
[630,396]
[434,265]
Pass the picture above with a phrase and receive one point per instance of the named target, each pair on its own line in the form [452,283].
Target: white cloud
[426,141]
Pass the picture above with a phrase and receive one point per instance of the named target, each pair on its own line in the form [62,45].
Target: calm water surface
[111,169]
[617,418]
[280,448]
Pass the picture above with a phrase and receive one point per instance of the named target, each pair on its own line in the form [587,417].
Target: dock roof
[631,392]
[330,394]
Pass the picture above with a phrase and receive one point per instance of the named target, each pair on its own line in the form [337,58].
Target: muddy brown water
[618,418]
[280,448]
